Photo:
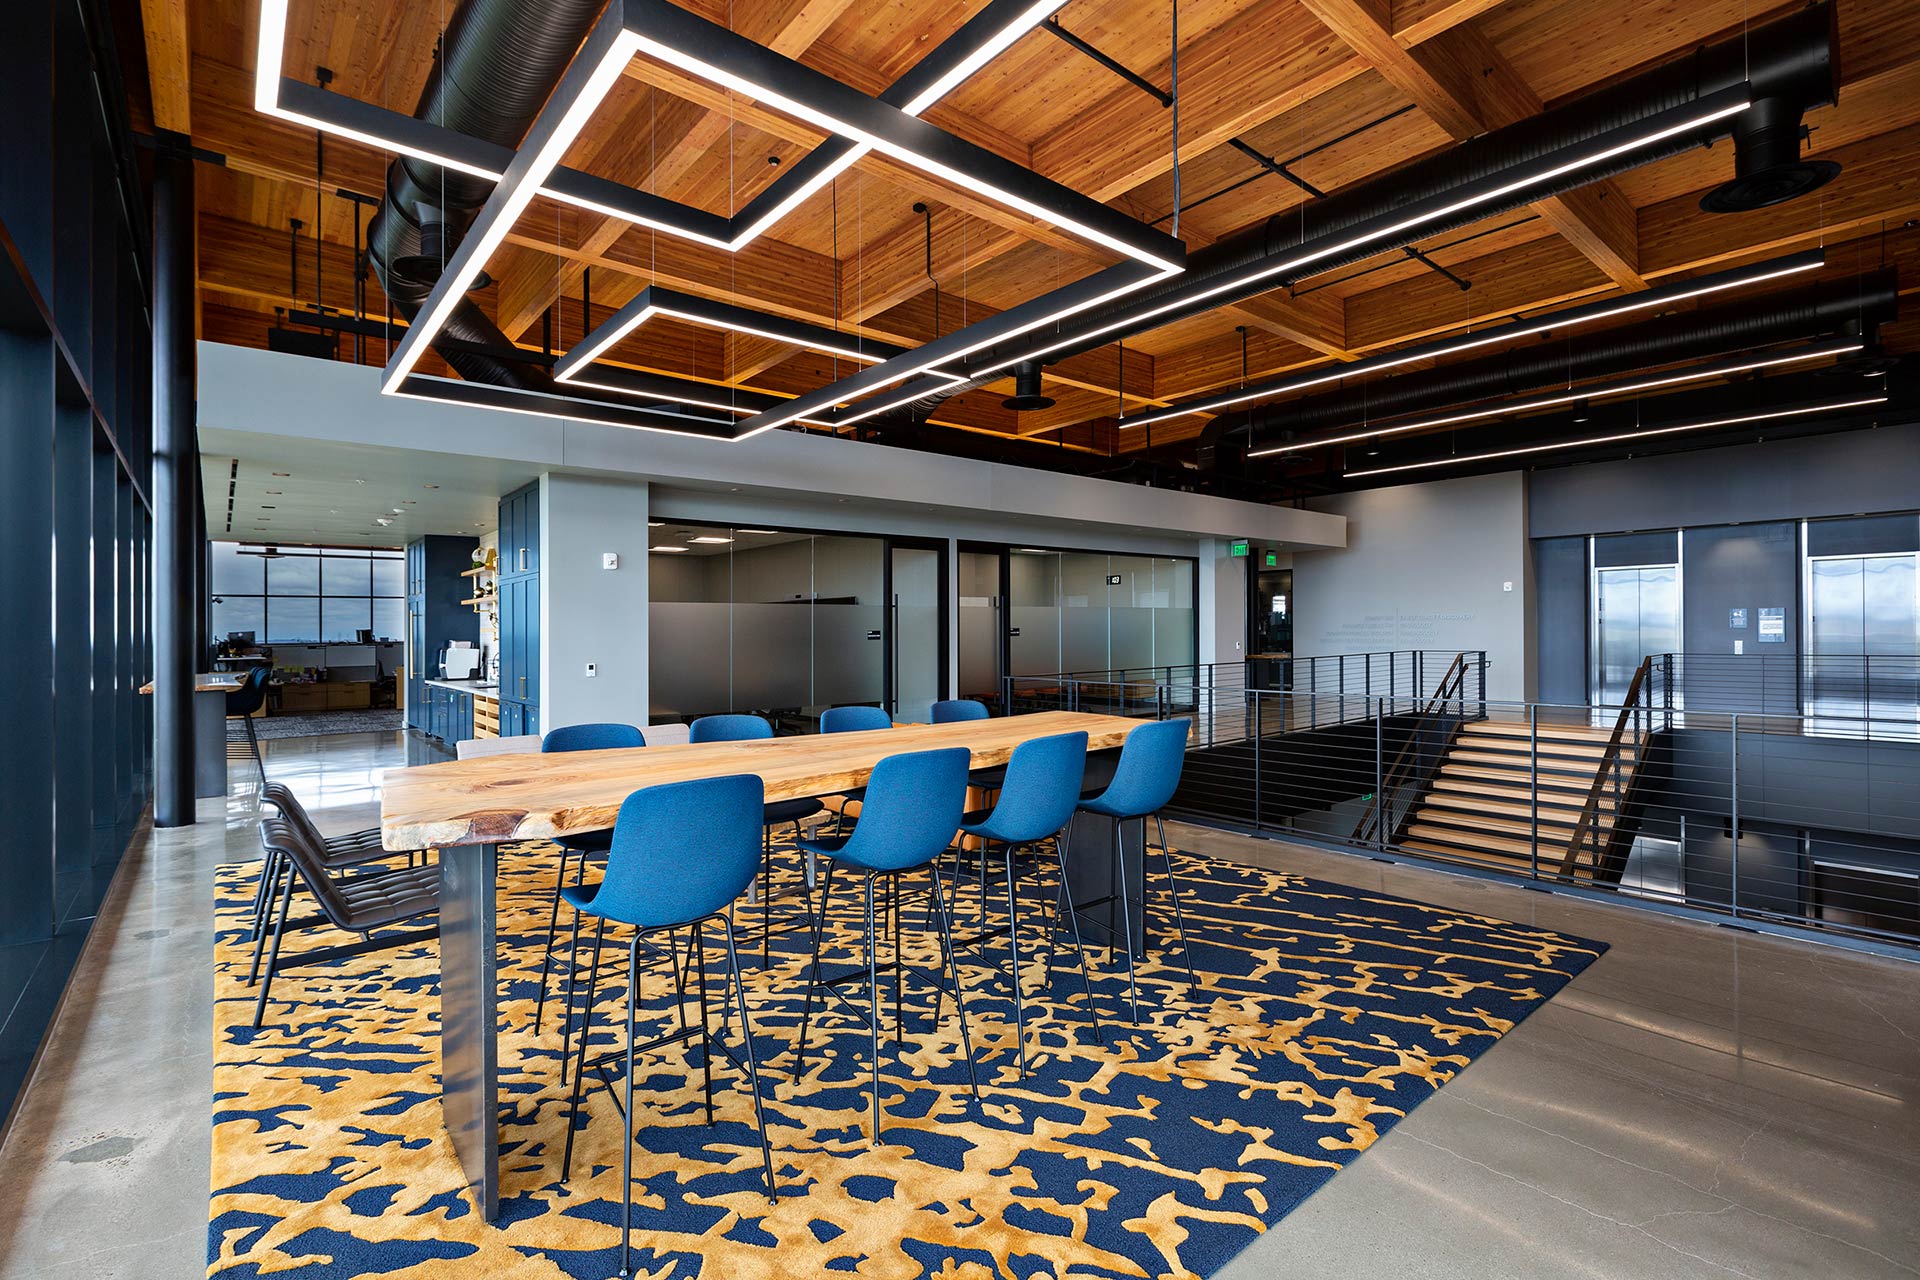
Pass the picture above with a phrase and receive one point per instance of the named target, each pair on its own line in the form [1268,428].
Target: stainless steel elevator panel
[1863,635]
[1636,612]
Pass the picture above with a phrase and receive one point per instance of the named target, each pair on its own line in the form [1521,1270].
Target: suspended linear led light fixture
[1602,391]
[1385,231]
[1661,296]
[663,30]
[981,39]
[1616,437]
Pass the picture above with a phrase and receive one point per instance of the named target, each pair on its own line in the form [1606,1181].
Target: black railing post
[1256,761]
[1379,782]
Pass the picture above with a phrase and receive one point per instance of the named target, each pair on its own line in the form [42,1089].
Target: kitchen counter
[479,688]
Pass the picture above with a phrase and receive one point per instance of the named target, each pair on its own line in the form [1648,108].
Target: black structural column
[175,458]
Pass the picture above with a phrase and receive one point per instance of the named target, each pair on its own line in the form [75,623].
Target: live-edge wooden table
[467,809]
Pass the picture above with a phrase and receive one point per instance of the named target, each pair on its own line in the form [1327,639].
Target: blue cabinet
[435,615]
[519,606]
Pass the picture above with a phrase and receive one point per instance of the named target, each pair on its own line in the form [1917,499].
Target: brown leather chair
[362,904]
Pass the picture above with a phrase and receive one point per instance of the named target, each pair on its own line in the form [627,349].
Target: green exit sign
[1240,547]
[1273,559]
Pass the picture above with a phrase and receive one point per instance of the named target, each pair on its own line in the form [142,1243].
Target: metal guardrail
[1742,815]
[1878,693]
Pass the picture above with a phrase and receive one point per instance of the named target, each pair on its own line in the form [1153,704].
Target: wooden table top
[491,799]
[208,682]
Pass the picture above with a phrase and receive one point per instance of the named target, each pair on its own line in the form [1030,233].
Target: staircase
[1480,805]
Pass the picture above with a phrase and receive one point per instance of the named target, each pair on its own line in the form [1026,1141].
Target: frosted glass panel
[1173,636]
[1083,635]
[848,651]
[688,651]
[1132,632]
[1036,644]
[772,654]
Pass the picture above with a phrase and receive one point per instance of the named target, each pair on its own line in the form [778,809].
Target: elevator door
[1636,612]
[1863,632]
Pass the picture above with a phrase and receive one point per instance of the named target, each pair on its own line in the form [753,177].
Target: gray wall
[588,613]
[1834,475]
[1426,566]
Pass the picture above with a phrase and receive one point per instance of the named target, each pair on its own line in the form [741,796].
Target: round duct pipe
[1793,59]
[1767,166]
[1026,388]
[1816,311]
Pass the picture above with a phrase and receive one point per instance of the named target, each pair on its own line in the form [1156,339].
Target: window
[307,596]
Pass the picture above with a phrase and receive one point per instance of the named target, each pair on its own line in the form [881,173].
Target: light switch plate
[593,669]
[1506,586]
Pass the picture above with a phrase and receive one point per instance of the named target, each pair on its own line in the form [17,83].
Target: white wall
[589,613]
[1426,566]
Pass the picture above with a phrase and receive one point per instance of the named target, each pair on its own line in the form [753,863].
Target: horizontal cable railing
[1834,694]
[1743,815]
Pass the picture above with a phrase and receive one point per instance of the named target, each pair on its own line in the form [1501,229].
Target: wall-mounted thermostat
[609,560]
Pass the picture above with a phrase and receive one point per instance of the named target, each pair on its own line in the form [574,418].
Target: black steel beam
[175,460]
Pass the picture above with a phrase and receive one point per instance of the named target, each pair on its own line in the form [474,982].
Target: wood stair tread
[1520,762]
[1495,791]
[1522,747]
[1514,729]
[1485,856]
[1552,835]
[1562,815]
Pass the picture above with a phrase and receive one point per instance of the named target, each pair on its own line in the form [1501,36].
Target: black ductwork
[1792,61]
[1026,388]
[1815,311]
[1767,168]
[498,63]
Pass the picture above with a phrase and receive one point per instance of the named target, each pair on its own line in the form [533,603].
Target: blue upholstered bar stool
[681,853]
[992,778]
[913,807]
[953,709]
[1035,805]
[577,737]
[745,728]
[850,720]
[1143,783]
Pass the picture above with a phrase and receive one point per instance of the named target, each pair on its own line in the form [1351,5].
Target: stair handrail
[1609,761]
[1452,685]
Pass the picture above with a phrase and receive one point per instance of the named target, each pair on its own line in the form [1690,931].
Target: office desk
[210,690]
[467,808]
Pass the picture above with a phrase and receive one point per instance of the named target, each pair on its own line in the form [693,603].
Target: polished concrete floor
[1701,1102]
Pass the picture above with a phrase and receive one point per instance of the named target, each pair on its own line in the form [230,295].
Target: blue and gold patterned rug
[1326,1014]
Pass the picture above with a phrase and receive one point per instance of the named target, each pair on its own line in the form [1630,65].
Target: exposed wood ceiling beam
[678,135]
[169,63]
[1464,84]
[1271,59]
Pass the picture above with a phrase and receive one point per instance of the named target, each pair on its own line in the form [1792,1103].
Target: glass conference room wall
[1089,611]
[778,624]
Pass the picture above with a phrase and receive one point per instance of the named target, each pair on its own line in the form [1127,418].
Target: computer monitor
[240,638]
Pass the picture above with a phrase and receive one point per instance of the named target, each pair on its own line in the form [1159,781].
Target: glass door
[1636,612]
[982,628]
[916,655]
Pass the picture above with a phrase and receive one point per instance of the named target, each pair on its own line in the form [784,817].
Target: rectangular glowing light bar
[978,42]
[1660,296]
[656,301]
[1599,391]
[1384,231]
[1615,437]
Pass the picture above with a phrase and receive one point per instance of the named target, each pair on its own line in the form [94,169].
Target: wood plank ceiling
[1341,90]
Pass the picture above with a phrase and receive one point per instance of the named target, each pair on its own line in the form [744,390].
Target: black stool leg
[1173,890]
[626,1127]
[253,740]
[753,1059]
[813,974]
[959,999]
[280,869]
[580,1061]
[1126,913]
[1079,947]
[273,956]
[873,998]
[553,931]
[1013,940]
[698,942]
